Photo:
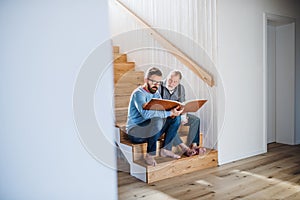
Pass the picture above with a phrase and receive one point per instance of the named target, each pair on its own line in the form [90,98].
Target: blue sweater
[136,113]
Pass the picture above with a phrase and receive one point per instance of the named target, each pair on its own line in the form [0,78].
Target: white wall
[297,79]
[271,77]
[281,72]
[285,84]
[241,65]
[43,44]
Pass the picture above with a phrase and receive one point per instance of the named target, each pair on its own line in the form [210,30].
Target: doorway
[280,79]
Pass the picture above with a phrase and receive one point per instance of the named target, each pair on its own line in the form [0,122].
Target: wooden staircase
[126,79]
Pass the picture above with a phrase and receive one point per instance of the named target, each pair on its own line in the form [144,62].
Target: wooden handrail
[184,59]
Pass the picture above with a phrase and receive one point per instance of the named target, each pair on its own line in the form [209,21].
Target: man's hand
[184,119]
[176,111]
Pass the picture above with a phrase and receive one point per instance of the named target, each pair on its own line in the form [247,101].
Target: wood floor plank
[239,177]
[293,196]
[251,185]
[274,175]
[255,161]
[278,190]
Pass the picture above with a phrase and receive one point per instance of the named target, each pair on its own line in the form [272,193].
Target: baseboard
[226,159]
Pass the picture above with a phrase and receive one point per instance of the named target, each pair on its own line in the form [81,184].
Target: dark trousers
[151,130]
[194,131]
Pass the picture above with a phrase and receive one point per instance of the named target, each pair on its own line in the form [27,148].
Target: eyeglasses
[154,82]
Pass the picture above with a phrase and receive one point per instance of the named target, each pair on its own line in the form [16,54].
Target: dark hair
[153,71]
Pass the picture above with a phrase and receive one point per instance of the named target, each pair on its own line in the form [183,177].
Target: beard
[153,89]
[170,88]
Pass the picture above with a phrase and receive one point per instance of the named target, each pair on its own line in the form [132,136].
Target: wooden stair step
[121,68]
[168,167]
[120,58]
[184,129]
[121,115]
[122,101]
[139,150]
[126,88]
[131,77]
[116,49]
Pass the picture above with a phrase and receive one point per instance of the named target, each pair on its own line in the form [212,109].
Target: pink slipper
[199,150]
[190,152]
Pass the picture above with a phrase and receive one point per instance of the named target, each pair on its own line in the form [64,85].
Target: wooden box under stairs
[166,167]
[126,80]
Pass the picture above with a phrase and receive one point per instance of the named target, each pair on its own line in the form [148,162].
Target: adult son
[172,89]
[149,125]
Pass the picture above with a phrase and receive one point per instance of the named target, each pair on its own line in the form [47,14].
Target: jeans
[194,131]
[151,130]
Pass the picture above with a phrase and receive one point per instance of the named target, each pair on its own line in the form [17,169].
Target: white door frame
[278,20]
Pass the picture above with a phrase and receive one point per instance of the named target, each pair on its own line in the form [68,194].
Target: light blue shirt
[136,113]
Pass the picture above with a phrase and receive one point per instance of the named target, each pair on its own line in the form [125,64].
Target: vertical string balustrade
[195,19]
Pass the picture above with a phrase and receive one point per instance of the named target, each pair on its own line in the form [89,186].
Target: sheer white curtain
[190,25]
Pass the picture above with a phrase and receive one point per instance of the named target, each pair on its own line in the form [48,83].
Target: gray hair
[176,72]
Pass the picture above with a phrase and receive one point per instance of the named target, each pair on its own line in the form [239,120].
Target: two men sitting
[149,125]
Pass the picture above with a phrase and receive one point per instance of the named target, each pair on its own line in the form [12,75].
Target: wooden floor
[274,175]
